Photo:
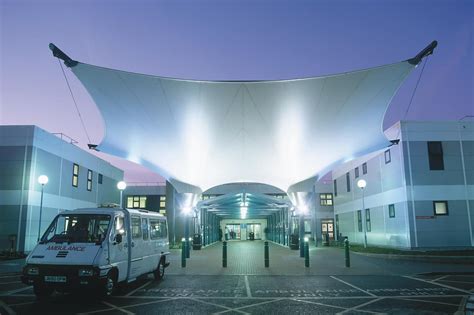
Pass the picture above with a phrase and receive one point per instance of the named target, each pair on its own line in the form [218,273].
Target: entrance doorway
[327,227]
[232,231]
[256,229]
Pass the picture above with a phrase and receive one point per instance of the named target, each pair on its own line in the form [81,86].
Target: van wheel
[160,270]
[108,287]
[42,292]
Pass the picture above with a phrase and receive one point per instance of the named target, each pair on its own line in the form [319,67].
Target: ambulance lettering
[71,248]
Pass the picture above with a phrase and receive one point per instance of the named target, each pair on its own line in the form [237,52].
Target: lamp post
[42,180]
[121,186]
[361,183]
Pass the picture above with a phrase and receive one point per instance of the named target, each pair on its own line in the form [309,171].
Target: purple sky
[228,40]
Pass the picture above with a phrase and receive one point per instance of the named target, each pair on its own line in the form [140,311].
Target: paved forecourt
[371,285]
[250,294]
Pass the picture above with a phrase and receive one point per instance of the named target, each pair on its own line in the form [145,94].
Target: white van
[98,248]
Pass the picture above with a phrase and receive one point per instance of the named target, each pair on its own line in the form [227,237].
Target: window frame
[162,200]
[134,235]
[368,224]
[90,174]
[356,172]
[326,199]
[391,210]
[348,182]
[145,229]
[435,157]
[75,175]
[135,201]
[389,156]
[100,178]
[364,168]
[440,201]
[359,220]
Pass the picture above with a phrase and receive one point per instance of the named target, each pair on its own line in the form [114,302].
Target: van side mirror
[118,238]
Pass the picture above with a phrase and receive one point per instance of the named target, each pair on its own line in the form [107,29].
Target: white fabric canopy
[208,133]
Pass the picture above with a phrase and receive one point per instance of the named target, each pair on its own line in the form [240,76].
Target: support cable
[74,100]
[411,99]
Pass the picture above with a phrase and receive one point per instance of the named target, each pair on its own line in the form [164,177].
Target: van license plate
[55,279]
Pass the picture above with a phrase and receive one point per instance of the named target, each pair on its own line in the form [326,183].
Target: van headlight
[86,272]
[32,271]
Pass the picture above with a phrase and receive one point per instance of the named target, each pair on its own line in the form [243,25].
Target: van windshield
[77,228]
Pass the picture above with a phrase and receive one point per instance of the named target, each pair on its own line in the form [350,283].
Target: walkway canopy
[208,133]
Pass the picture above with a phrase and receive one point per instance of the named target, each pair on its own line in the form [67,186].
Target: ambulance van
[97,248]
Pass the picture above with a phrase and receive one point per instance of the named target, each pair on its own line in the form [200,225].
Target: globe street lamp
[121,186]
[361,183]
[42,180]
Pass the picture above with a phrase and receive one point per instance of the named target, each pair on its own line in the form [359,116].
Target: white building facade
[419,193]
[77,179]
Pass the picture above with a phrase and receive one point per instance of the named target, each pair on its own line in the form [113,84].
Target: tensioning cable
[75,103]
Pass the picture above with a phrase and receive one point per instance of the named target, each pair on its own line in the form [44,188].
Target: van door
[118,251]
[137,250]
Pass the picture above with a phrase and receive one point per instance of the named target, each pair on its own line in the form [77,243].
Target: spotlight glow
[43,179]
[361,183]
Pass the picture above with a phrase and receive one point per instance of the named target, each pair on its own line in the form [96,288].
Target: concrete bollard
[266,255]
[224,254]
[183,253]
[306,252]
[346,250]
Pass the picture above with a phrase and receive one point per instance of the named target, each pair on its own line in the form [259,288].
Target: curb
[469,260]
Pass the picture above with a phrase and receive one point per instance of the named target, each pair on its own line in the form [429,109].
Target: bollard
[183,253]
[224,254]
[306,252]
[267,256]
[187,247]
[346,249]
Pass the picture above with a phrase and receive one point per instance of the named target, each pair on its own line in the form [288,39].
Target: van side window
[145,228]
[136,227]
[119,227]
[164,229]
[158,229]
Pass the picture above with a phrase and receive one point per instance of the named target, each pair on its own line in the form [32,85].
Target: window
[356,171]
[136,227]
[325,199]
[119,222]
[359,220]
[100,178]
[162,202]
[348,182]
[364,168]
[391,211]
[136,202]
[75,175]
[89,180]
[367,220]
[435,155]
[388,157]
[440,207]
[145,228]
[335,188]
[158,229]
[337,226]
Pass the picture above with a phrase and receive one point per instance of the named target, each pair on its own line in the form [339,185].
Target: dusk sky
[228,40]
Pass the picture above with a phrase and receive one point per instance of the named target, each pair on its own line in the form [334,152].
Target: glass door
[232,232]
[256,229]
